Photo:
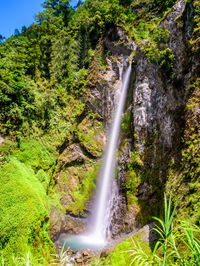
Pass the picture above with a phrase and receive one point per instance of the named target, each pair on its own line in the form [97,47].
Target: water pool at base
[81,242]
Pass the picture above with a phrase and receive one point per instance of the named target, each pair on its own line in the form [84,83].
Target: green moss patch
[91,135]
[79,182]
[22,206]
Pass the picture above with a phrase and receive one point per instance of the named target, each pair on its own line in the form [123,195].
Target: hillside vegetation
[46,73]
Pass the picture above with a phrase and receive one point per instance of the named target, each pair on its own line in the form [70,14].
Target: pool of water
[81,242]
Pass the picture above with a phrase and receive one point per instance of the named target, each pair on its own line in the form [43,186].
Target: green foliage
[134,171]
[126,121]
[22,209]
[195,39]
[84,189]
[44,72]
[61,258]
[33,153]
[162,5]
[123,252]
[176,245]
[156,45]
[187,171]
[25,176]
[165,228]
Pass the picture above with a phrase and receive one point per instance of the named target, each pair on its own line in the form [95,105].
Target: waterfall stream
[101,210]
[99,222]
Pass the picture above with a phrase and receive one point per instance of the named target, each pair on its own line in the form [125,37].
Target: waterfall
[101,209]
[96,236]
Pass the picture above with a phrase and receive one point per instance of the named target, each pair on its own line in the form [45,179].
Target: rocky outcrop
[159,102]
[90,133]
[73,154]
[65,224]
[159,112]
[104,94]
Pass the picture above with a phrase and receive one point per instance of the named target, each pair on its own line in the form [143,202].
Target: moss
[25,172]
[126,121]
[195,39]
[23,211]
[184,176]
[35,154]
[80,183]
[91,135]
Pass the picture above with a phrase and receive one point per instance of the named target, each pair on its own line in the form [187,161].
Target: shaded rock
[64,224]
[147,235]
[72,154]
[144,191]
[117,42]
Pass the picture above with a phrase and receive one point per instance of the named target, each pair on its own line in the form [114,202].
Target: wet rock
[64,224]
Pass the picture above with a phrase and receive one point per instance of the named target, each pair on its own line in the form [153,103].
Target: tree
[2,39]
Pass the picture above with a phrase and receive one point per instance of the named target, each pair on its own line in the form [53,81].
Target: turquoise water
[81,242]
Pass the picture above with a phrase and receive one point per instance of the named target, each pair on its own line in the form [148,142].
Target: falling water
[95,238]
[100,215]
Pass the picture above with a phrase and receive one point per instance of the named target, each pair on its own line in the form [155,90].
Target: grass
[176,245]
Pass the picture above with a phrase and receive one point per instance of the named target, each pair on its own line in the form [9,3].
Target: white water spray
[100,212]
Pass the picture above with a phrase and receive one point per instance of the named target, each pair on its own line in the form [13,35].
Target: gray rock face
[156,100]
[159,103]
[177,38]
[105,94]
[154,103]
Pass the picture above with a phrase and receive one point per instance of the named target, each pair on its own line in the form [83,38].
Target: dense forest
[58,83]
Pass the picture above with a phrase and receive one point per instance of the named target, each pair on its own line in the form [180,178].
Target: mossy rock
[79,183]
[91,135]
